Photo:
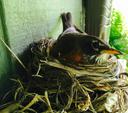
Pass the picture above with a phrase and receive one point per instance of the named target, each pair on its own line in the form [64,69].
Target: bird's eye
[95,45]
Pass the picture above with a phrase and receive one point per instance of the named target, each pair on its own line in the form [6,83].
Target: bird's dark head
[96,46]
[100,46]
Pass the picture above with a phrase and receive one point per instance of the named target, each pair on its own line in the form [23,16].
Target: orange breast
[75,57]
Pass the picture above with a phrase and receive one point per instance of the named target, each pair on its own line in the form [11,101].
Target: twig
[48,102]
[13,54]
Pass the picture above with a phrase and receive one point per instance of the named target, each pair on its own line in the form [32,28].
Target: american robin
[73,45]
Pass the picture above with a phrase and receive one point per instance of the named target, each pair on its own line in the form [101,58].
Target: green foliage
[118,33]
[116,25]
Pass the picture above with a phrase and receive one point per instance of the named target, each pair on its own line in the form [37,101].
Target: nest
[61,87]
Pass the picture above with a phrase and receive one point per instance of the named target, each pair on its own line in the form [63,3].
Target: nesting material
[94,88]
[61,87]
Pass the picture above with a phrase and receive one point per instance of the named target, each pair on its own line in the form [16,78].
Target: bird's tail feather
[66,20]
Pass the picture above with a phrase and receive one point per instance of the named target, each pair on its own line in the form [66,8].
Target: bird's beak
[111,51]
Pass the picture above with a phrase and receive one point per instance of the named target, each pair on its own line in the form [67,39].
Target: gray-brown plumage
[73,45]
